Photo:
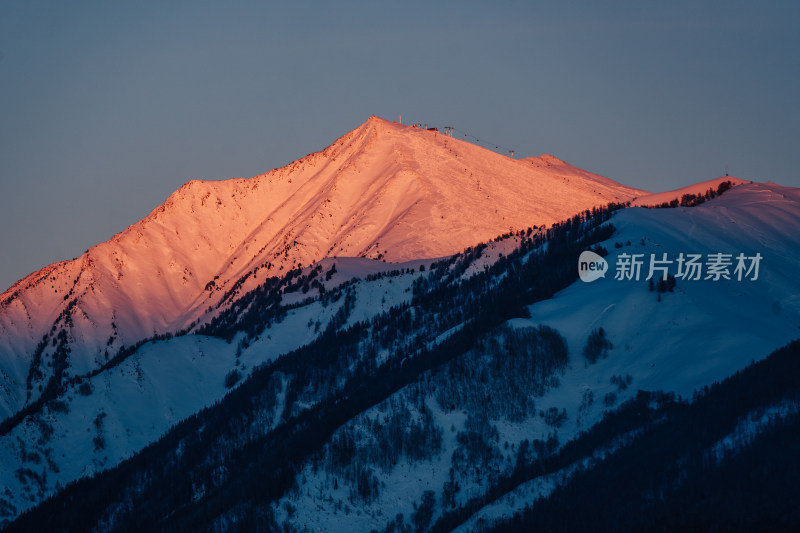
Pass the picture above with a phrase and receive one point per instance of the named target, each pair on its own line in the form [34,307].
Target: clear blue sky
[108,107]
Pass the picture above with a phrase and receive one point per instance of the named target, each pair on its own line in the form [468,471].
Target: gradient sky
[108,107]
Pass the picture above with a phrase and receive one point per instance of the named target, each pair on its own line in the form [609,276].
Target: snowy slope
[383,190]
[702,332]
[699,188]
[706,329]
[117,412]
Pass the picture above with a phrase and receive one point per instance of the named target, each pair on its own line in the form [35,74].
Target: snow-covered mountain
[382,191]
[677,342]
[434,364]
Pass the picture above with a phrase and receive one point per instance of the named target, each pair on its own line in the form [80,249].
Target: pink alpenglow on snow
[383,190]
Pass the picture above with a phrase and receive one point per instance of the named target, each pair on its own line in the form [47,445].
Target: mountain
[382,191]
[439,389]
[676,343]
[457,395]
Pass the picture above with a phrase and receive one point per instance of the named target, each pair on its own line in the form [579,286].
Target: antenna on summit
[400,121]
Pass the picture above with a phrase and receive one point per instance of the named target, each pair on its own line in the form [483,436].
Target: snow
[702,332]
[700,188]
[705,330]
[141,398]
[164,382]
[749,427]
[400,489]
[383,190]
[527,493]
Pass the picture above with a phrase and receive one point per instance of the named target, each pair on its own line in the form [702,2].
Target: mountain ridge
[383,191]
[278,342]
[336,356]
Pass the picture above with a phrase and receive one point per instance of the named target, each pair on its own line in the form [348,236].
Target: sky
[108,107]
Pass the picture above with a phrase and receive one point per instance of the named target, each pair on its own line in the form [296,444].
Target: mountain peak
[382,191]
[375,119]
